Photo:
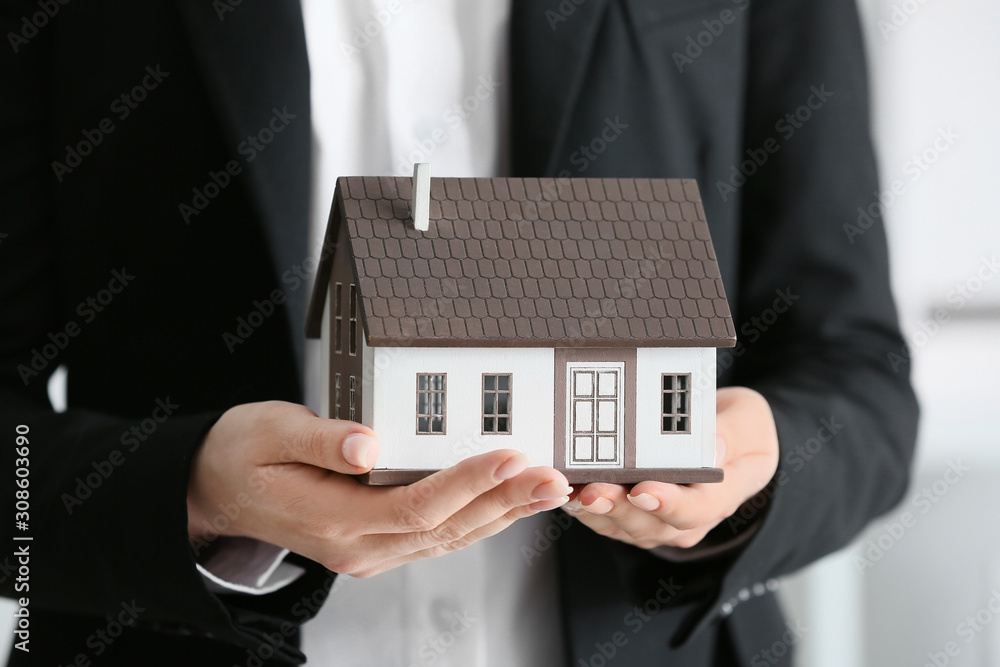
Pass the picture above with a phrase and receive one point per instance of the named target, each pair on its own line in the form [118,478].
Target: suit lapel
[547,38]
[256,73]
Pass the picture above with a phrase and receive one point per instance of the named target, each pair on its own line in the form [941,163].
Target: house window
[338,320]
[336,396]
[676,401]
[496,403]
[431,389]
[352,400]
[353,315]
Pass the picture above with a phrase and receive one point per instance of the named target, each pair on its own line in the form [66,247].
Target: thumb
[341,446]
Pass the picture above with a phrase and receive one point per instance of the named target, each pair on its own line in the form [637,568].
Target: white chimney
[421,206]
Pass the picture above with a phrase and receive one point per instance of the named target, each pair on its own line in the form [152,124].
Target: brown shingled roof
[529,262]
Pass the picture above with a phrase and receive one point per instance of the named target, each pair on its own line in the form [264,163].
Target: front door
[595,405]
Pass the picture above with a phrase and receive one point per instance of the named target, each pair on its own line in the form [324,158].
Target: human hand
[287,471]
[655,514]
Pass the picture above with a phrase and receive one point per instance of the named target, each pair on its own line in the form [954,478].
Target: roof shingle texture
[515,262]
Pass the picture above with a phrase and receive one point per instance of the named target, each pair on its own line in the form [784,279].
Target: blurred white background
[901,593]
[935,70]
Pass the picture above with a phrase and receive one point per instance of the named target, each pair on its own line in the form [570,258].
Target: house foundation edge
[399,477]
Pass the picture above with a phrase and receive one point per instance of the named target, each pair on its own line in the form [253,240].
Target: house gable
[342,331]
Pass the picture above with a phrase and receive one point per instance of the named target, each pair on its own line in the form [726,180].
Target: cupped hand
[288,473]
[654,514]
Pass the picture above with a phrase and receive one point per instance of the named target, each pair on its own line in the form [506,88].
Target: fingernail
[645,501]
[720,451]
[551,490]
[358,447]
[545,505]
[600,506]
[512,467]
[573,506]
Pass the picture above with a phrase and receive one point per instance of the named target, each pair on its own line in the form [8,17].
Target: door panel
[606,413]
[594,413]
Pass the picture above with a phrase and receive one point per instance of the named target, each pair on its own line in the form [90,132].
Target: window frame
[352,401]
[337,388]
[675,413]
[338,318]
[353,321]
[444,404]
[496,416]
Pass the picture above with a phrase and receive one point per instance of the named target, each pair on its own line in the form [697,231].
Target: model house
[575,320]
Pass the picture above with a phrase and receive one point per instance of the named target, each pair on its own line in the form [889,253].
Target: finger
[687,507]
[341,446]
[645,535]
[692,506]
[600,498]
[535,485]
[623,513]
[488,530]
[426,504]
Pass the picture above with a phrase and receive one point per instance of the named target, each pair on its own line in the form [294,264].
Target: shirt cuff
[246,565]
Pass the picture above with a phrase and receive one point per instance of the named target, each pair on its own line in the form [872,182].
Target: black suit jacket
[698,88]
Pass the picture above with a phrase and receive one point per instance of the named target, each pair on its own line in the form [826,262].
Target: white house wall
[675,450]
[394,371]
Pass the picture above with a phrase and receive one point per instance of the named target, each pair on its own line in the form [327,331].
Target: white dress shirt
[396,82]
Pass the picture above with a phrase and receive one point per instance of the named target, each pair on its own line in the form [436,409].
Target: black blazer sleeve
[125,540]
[846,416]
